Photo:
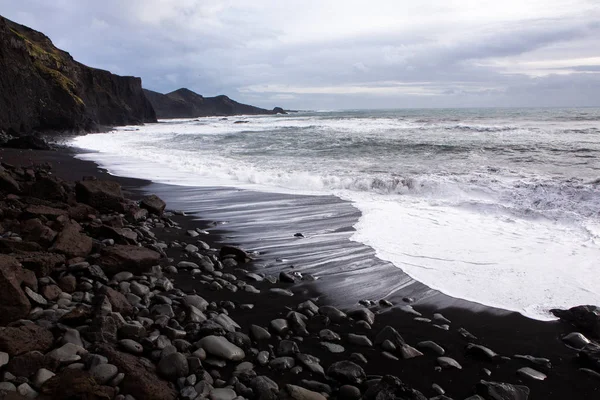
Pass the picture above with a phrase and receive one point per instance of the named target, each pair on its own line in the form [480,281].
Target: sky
[330,54]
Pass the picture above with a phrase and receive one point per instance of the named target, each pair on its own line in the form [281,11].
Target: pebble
[7,387]
[409,352]
[282,363]
[67,353]
[3,359]
[334,314]
[388,346]
[544,362]
[300,393]
[481,352]
[447,362]
[389,355]
[466,334]
[41,376]
[438,389]
[222,394]
[347,372]
[104,372]
[359,340]
[312,363]
[259,333]
[440,318]
[27,391]
[409,310]
[329,335]
[131,346]
[262,358]
[281,292]
[531,373]
[431,346]
[279,325]
[221,347]
[349,392]
[332,347]
[35,297]
[173,366]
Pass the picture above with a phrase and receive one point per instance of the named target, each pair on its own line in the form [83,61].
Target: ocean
[496,206]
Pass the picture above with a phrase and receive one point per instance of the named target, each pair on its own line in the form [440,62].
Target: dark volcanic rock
[27,142]
[154,204]
[44,89]
[119,258]
[103,195]
[586,318]
[502,391]
[14,304]
[23,339]
[71,242]
[41,263]
[184,103]
[347,372]
[140,379]
[76,384]
[390,387]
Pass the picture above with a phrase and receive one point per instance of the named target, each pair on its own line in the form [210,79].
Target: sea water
[497,206]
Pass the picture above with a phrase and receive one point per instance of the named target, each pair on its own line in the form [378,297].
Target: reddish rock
[29,363]
[136,259]
[118,302]
[81,212]
[8,183]
[14,304]
[140,380]
[48,188]
[41,263]
[76,384]
[36,211]
[8,246]
[134,213]
[24,339]
[99,194]
[51,292]
[77,316]
[71,242]
[68,283]
[154,204]
[34,230]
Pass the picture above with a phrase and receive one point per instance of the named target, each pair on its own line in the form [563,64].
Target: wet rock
[27,391]
[282,363]
[576,340]
[347,372]
[100,194]
[389,333]
[543,362]
[432,347]
[51,292]
[259,333]
[297,322]
[531,373]
[329,335]
[4,357]
[281,292]
[586,318]
[287,348]
[154,204]
[71,242]
[41,376]
[238,254]
[226,322]
[263,358]
[466,334]
[279,325]
[440,319]
[502,391]
[332,347]
[221,347]
[390,387]
[388,346]
[311,363]
[409,352]
[173,366]
[24,339]
[41,263]
[409,310]
[286,277]
[332,313]
[359,340]
[132,258]
[481,352]
[363,314]
[264,388]
[67,353]
[140,379]
[590,356]
[118,302]
[447,362]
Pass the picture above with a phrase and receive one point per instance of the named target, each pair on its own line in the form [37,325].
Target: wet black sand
[349,272]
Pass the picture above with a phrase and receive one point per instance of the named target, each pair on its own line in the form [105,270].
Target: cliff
[184,103]
[42,88]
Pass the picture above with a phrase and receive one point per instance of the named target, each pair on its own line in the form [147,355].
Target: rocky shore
[102,297]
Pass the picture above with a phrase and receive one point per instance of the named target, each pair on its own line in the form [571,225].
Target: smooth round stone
[432,347]
[122,276]
[447,362]
[387,345]
[279,325]
[438,389]
[300,393]
[221,347]
[3,359]
[359,340]
[67,353]
[576,340]
[481,352]
[544,362]
[281,292]
[262,358]
[7,387]
[311,363]
[27,391]
[222,394]
[332,347]
[282,363]
[349,392]
[334,314]
[131,346]
[409,310]
[389,355]
[104,372]
[531,373]
[329,335]
[259,333]
[409,352]
[437,317]
[41,376]
[173,366]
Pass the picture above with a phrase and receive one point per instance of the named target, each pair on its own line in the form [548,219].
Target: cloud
[338,54]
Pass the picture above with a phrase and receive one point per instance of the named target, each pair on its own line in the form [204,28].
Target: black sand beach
[347,272]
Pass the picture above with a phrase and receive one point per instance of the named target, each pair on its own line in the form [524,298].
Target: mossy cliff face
[42,88]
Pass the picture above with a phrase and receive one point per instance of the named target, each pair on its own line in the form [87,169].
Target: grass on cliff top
[49,63]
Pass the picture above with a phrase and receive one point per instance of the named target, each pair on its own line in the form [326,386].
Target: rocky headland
[184,103]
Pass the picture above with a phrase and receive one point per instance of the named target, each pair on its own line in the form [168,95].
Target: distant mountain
[183,103]
[43,88]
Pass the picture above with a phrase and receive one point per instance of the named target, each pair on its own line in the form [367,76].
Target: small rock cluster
[89,309]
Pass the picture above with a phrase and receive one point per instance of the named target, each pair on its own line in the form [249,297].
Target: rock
[264,388]
[173,366]
[27,142]
[135,259]
[543,362]
[140,379]
[590,355]
[409,310]
[41,263]
[29,363]
[311,363]
[279,325]
[299,393]
[36,298]
[349,392]
[502,391]
[68,283]
[6,387]
[75,384]
[389,333]
[347,372]
[466,334]
[14,304]
[363,314]
[531,373]
[24,339]
[103,373]
[4,357]
[27,391]
[51,292]
[332,347]
[409,352]
[100,194]
[67,353]
[259,333]
[390,387]
[222,394]
[281,292]
[447,362]
[222,348]
[131,346]
[154,204]
[329,335]
[586,318]
[359,340]
[576,340]
[481,352]
[432,347]
[226,322]
[240,255]
[332,313]
[118,302]
[439,318]
[282,363]
[287,348]
[71,242]
[8,183]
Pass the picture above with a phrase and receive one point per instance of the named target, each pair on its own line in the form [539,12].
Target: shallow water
[494,206]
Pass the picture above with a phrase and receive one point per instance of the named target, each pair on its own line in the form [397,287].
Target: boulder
[173,366]
[26,338]
[502,391]
[221,347]
[47,188]
[71,242]
[136,259]
[76,384]
[118,302]
[33,230]
[299,393]
[347,372]
[8,183]
[14,304]
[27,142]
[37,211]
[100,194]
[140,379]
[29,363]
[586,318]
[154,204]
[390,387]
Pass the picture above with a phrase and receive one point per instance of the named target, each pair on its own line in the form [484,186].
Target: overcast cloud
[327,54]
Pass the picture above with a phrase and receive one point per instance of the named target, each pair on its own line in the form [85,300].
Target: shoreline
[507,335]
